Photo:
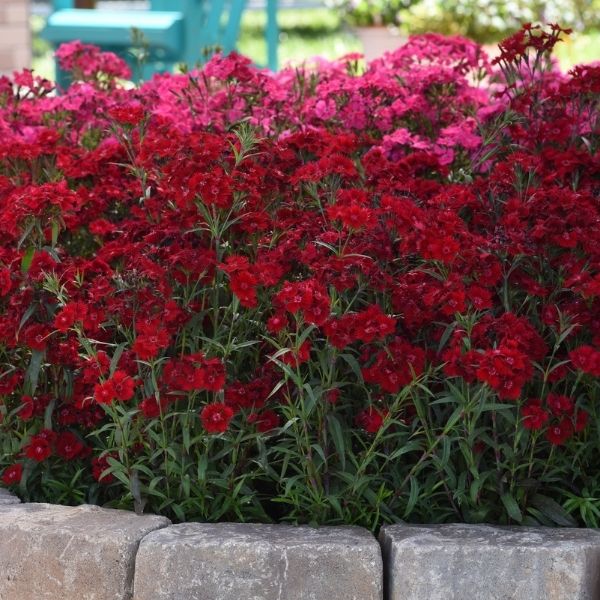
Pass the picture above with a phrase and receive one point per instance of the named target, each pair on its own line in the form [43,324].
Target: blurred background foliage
[490,20]
[319,29]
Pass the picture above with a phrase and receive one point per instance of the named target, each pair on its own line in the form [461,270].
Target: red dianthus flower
[560,432]
[39,447]
[215,417]
[68,445]
[534,416]
[264,421]
[12,474]
[123,385]
[371,419]
[104,393]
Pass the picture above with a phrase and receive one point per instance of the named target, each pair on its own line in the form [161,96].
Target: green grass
[306,33]
[579,48]
[41,62]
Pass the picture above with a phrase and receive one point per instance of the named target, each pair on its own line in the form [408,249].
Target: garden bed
[331,295]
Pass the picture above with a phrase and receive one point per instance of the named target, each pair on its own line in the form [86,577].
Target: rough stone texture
[479,562]
[227,561]
[69,553]
[7,497]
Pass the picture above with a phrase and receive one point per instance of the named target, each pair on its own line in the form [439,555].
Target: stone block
[69,553]
[479,562]
[7,497]
[226,561]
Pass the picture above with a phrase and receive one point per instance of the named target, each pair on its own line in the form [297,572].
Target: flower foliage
[323,295]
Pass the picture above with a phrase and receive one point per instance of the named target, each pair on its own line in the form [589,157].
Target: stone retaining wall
[50,552]
[479,562]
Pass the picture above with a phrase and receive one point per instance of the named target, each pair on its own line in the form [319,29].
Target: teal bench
[174,31]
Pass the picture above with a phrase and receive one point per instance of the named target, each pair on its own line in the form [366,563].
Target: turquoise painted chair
[174,31]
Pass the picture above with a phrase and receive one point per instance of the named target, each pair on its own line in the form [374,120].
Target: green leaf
[116,469]
[289,372]
[33,371]
[553,510]
[512,508]
[454,418]
[412,497]
[136,491]
[185,432]
[446,447]
[116,357]
[353,364]
[202,467]
[27,259]
[335,503]
[48,414]
[26,316]
[412,446]
[317,448]
[335,429]
[446,336]
[311,399]
[55,230]
[185,485]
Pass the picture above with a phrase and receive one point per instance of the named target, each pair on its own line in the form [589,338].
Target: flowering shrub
[322,295]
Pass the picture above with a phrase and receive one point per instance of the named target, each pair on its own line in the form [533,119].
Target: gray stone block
[7,497]
[226,561]
[69,553]
[479,562]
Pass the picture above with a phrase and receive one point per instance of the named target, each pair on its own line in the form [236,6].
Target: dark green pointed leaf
[512,508]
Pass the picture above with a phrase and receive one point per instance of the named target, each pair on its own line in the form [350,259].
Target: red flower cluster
[309,297]
[119,387]
[366,326]
[396,366]
[561,411]
[505,369]
[265,421]
[242,279]
[194,372]
[65,444]
[99,465]
[151,338]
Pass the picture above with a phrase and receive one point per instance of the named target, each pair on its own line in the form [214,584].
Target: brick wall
[15,38]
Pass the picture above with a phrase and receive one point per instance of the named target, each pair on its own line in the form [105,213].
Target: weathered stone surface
[195,561]
[479,562]
[69,553]
[7,497]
